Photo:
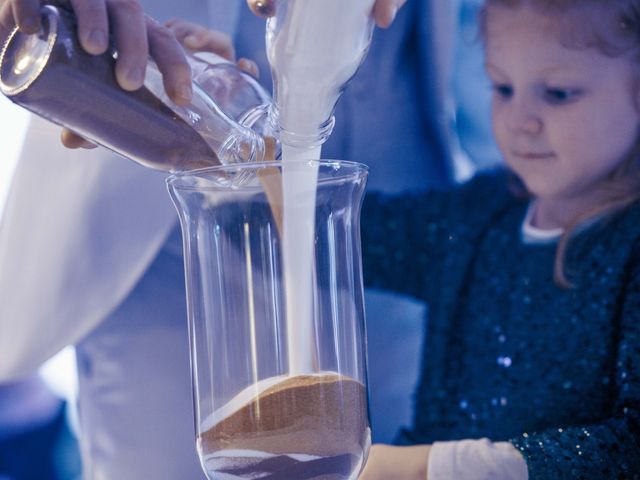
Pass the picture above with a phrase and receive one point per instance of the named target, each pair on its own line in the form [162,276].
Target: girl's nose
[531,125]
[524,119]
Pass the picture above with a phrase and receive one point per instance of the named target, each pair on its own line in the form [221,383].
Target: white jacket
[75,237]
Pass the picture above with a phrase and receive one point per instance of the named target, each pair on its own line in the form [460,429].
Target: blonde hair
[615,31]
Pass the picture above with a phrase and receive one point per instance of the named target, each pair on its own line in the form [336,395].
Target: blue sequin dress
[508,355]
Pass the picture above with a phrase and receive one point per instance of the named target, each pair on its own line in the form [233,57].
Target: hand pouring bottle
[52,76]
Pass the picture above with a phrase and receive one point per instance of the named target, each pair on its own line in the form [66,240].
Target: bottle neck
[243,146]
[314,135]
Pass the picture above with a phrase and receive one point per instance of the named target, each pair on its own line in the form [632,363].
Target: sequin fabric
[507,354]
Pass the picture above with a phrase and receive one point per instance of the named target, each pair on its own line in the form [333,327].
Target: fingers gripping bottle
[52,76]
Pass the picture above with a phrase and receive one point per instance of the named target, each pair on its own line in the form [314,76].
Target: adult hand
[386,461]
[136,36]
[193,38]
[384,11]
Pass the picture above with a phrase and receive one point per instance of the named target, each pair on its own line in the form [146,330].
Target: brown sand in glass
[323,415]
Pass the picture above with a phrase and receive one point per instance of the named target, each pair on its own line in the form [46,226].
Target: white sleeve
[476,460]
[78,230]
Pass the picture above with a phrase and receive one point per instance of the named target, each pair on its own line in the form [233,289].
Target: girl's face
[564,118]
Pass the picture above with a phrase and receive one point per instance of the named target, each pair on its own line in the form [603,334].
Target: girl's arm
[607,449]
[407,238]
[389,244]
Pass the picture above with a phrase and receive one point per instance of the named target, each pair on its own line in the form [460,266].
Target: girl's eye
[503,91]
[558,96]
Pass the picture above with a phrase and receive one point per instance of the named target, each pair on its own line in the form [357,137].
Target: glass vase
[275,397]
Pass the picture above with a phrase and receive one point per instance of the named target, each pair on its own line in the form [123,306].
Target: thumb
[384,11]
[263,8]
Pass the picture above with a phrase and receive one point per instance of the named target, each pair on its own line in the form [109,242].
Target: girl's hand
[384,11]
[387,462]
[196,38]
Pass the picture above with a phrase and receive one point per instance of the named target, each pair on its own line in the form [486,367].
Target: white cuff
[476,460]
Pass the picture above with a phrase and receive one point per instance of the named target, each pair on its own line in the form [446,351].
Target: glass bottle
[52,76]
[314,48]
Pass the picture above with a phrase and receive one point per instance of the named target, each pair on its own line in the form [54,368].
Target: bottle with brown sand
[52,76]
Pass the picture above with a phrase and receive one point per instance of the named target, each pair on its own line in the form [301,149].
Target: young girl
[531,366]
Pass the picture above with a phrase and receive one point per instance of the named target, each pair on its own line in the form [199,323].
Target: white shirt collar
[535,235]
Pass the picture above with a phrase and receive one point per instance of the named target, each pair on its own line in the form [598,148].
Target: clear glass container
[258,413]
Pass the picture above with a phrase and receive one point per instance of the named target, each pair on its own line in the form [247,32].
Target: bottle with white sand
[314,47]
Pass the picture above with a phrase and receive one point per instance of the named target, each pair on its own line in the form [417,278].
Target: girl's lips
[533,155]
